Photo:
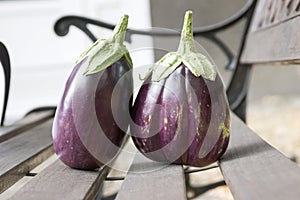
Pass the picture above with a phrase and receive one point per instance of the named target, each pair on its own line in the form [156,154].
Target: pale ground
[274,118]
[277,120]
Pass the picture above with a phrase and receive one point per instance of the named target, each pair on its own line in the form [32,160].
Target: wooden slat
[24,124]
[22,153]
[18,185]
[278,43]
[254,170]
[59,181]
[151,180]
[271,13]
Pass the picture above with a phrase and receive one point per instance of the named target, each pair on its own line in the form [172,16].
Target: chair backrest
[5,62]
[274,35]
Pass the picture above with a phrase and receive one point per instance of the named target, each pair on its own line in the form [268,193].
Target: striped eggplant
[181,113]
[85,134]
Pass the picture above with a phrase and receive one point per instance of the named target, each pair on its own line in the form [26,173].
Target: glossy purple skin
[67,138]
[188,127]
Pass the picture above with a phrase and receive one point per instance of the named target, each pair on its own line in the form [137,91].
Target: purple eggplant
[181,113]
[85,133]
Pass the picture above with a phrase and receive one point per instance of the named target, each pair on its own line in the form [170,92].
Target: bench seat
[252,169]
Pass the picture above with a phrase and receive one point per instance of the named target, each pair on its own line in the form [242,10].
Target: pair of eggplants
[179,116]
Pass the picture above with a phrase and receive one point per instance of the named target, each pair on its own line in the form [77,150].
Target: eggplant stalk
[187,54]
[187,44]
[106,52]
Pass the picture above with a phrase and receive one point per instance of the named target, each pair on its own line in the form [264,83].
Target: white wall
[41,61]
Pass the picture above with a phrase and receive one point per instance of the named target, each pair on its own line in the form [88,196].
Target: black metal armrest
[238,86]
[5,61]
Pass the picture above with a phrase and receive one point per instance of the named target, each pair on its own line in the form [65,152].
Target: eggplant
[181,113]
[85,133]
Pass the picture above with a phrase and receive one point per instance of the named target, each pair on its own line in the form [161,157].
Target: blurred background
[41,61]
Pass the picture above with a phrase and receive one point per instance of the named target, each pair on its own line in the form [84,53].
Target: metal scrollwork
[62,27]
[238,87]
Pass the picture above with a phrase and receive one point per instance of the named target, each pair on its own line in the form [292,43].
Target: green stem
[120,30]
[187,54]
[187,40]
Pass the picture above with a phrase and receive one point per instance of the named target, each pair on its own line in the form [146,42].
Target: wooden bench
[252,169]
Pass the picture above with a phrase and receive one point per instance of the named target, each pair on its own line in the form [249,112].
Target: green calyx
[103,53]
[187,54]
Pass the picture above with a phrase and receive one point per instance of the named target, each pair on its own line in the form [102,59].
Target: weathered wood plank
[151,180]
[15,187]
[59,181]
[270,13]
[24,124]
[255,170]
[279,43]
[22,153]
[19,184]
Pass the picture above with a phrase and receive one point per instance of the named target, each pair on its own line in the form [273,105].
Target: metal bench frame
[238,86]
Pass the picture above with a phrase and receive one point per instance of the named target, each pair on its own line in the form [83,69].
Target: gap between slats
[24,124]
[22,153]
